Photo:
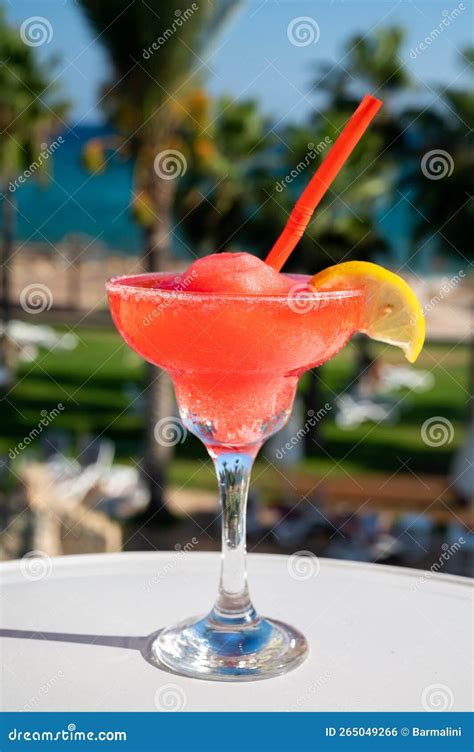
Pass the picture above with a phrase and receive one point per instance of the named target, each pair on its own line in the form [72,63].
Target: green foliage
[445,206]
[222,184]
[374,59]
[242,196]
[155,56]
[232,194]
[30,109]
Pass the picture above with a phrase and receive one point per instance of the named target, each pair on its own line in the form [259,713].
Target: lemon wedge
[392,312]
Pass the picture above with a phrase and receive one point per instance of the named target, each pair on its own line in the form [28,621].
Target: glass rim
[119,283]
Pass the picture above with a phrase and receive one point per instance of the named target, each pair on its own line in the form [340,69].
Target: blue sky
[254,57]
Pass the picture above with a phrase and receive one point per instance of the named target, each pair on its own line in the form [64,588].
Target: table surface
[75,630]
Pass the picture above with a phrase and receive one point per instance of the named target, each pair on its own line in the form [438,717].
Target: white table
[381,638]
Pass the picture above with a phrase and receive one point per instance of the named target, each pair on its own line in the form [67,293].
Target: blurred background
[137,135]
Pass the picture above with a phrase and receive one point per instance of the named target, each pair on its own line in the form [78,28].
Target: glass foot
[206,649]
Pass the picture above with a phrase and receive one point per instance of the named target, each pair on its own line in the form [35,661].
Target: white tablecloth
[381,638]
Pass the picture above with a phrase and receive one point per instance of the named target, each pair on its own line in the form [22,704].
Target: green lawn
[99,381]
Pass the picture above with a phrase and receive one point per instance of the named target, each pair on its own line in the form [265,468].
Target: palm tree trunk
[7,249]
[159,399]
[159,406]
[73,275]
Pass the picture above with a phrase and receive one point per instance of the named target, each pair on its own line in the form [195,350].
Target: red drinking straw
[321,180]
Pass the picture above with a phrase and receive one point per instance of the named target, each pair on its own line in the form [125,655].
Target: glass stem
[233,605]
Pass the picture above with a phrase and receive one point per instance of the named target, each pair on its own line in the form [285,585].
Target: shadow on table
[142,644]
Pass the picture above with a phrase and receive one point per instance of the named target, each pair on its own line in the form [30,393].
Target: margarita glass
[234,360]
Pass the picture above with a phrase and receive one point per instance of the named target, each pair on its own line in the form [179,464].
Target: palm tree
[230,196]
[405,135]
[227,171]
[374,65]
[30,113]
[157,62]
[443,145]
[345,225]
[234,194]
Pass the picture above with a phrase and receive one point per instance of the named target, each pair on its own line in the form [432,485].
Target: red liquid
[234,359]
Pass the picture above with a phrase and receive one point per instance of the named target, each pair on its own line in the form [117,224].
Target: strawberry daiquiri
[235,335]
[234,341]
